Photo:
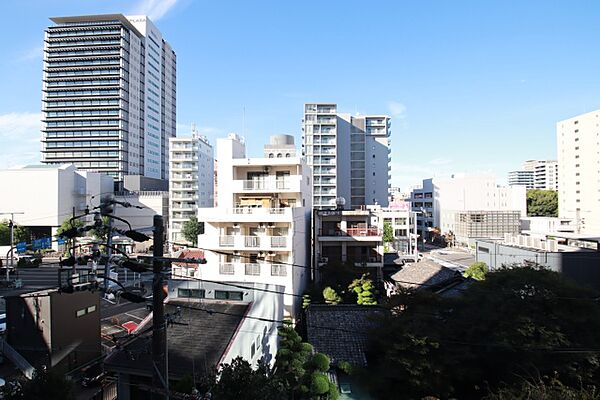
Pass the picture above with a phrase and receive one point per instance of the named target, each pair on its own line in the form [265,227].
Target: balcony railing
[252,241]
[227,269]
[260,184]
[356,232]
[227,241]
[253,269]
[278,241]
[258,210]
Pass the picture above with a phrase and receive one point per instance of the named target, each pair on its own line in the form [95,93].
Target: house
[341,332]
[209,324]
[425,275]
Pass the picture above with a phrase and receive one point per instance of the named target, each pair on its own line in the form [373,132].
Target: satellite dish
[340,202]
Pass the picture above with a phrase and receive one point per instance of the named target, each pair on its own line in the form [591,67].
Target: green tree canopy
[388,232]
[542,203]
[516,323]
[364,289]
[45,385]
[21,234]
[191,229]
[68,224]
[477,270]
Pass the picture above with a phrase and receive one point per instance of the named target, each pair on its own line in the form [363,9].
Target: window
[191,293]
[483,249]
[228,295]
[81,313]
[91,309]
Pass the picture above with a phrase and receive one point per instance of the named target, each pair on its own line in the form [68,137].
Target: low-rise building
[53,329]
[211,324]
[260,231]
[579,263]
[470,225]
[352,236]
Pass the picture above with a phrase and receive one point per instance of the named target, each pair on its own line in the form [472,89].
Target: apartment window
[576,122]
[91,309]
[577,139]
[577,148]
[191,293]
[81,313]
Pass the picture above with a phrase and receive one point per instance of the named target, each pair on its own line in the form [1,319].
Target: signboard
[36,244]
[60,241]
[21,247]
[43,243]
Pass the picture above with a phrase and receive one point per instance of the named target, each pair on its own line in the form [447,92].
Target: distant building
[578,150]
[438,200]
[470,225]
[536,174]
[349,156]
[58,330]
[109,94]
[191,183]
[522,178]
[262,224]
[50,194]
[577,263]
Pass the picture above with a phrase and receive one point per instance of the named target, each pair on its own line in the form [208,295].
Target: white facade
[191,181]
[578,146]
[262,222]
[536,174]
[49,194]
[109,95]
[404,226]
[349,155]
[151,202]
[438,199]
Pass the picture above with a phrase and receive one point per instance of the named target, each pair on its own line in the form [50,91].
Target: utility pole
[11,225]
[160,372]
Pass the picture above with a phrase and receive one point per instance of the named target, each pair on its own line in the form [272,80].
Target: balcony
[268,184]
[249,214]
[263,270]
[368,262]
[264,242]
[360,234]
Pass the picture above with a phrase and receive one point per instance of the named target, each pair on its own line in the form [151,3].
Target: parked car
[29,261]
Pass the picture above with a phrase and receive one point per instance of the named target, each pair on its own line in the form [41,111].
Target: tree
[388,235]
[301,371]
[238,380]
[101,232]
[516,323]
[45,385]
[191,229]
[477,270]
[363,288]
[547,389]
[542,203]
[68,224]
[331,296]
[21,234]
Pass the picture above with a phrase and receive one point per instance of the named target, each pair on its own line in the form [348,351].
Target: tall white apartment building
[536,174]
[438,200]
[261,225]
[109,95]
[191,180]
[578,146]
[349,156]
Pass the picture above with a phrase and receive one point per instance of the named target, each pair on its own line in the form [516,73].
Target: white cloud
[397,110]
[20,138]
[35,53]
[21,126]
[154,9]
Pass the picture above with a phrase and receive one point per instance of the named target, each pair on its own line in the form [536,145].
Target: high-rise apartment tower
[109,95]
[349,155]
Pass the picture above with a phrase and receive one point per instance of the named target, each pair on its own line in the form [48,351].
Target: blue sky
[472,86]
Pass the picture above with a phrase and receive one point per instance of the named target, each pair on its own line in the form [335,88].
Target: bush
[331,296]
[319,384]
[477,270]
[321,362]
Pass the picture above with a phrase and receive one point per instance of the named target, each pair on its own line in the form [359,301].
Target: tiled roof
[424,275]
[347,340]
[196,342]
[189,253]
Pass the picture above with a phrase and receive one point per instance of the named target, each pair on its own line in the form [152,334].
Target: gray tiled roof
[195,343]
[424,274]
[348,339]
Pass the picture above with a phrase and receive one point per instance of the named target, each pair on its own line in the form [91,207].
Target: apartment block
[262,223]
[438,200]
[578,147]
[536,174]
[469,225]
[191,180]
[109,94]
[349,156]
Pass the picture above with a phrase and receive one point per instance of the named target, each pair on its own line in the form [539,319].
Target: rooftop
[424,274]
[352,323]
[196,341]
[97,18]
